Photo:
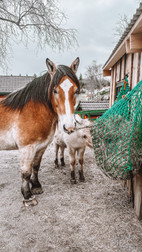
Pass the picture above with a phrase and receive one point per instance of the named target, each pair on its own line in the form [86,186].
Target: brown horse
[28,120]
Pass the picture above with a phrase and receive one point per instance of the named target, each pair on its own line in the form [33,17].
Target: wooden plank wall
[111,87]
[130,64]
[122,68]
[135,70]
[140,66]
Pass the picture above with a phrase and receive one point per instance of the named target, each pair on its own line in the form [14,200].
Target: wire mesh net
[117,134]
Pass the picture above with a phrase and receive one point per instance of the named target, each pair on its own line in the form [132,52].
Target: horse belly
[7,141]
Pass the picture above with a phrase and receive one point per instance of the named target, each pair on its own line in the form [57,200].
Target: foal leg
[56,157]
[72,165]
[80,159]
[36,186]
[62,148]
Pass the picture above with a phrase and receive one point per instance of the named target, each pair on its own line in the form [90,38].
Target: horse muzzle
[68,130]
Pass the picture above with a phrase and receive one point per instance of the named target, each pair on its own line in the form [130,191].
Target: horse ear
[51,66]
[75,64]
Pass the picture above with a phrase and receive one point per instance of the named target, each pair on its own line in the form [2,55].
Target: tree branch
[20,19]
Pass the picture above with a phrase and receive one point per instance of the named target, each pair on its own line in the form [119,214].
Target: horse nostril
[64,127]
[69,130]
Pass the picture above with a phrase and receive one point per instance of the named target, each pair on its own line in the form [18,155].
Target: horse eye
[54,91]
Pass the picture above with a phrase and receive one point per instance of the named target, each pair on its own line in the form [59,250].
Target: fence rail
[91,115]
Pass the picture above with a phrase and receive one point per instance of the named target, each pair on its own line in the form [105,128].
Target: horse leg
[26,161]
[36,186]
[72,165]
[62,155]
[56,159]
[80,159]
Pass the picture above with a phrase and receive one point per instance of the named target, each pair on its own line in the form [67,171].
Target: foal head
[63,89]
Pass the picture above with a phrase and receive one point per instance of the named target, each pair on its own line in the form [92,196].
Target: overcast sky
[95,21]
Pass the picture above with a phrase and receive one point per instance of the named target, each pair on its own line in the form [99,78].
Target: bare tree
[123,22]
[41,21]
[94,75]
[121,25]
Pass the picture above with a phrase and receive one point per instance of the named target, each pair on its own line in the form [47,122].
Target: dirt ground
[93,216]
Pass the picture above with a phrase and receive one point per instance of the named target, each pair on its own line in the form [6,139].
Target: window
[118,87]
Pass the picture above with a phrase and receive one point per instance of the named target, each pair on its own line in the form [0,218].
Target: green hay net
[117,134]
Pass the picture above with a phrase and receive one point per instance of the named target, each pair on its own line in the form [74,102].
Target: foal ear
[51,66]
[75,64]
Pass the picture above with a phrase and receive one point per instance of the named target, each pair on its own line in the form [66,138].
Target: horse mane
[39,90]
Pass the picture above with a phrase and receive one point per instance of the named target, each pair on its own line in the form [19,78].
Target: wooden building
[126,58]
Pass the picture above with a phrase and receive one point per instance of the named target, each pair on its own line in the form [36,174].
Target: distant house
[11,83]
[126,58]
[90,109]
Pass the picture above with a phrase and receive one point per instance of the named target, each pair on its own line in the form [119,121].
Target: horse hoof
[62,162]
[56,163]
[73,181]
[81,176]
[63,165]
[30,202]
[36,190]
[82,179]
[57,166]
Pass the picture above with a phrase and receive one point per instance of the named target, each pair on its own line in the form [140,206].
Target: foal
[28,120]
[76,144]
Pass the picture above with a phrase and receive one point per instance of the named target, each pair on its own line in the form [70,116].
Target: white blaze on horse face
[68,118]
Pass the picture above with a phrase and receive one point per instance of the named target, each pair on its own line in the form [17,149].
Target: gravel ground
[93,216]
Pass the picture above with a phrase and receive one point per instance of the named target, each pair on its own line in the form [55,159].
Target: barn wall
[130,64]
